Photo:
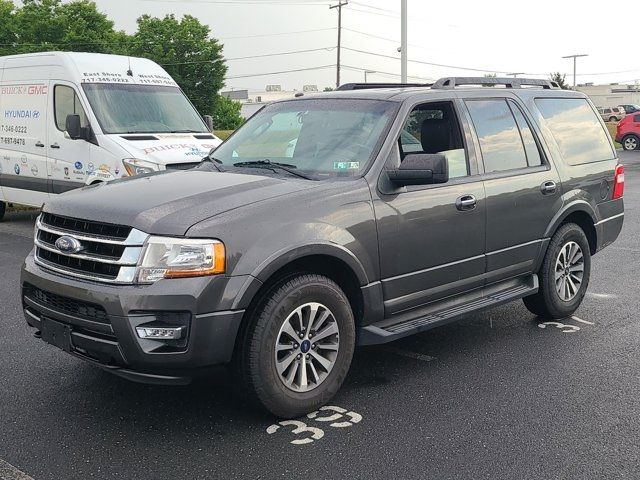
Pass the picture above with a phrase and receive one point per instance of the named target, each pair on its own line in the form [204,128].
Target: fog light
[160,333]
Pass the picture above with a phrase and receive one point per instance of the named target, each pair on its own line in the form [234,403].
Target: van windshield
[142,109]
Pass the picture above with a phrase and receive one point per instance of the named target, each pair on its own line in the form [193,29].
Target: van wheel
[630,142]
[298,346]
[612,119]
[3,209]
[564,275]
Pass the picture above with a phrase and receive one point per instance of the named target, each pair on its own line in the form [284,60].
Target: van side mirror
[420,169]
[208,119]
[73,127]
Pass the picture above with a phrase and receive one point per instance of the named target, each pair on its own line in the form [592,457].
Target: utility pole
[365,74]
[403,41]
[574,65]
[339,7]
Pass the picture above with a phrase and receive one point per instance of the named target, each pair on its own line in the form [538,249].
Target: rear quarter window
[576,129]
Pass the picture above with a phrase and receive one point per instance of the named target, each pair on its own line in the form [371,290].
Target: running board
[446,311]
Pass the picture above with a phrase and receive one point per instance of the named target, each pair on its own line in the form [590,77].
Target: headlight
[138,167]
[166,257]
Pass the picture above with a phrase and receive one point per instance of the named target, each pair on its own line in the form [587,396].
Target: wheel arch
[581,213]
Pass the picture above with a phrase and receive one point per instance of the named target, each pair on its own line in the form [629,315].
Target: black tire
[547,303]
[3,209]
[630,142]
[257,362]
[613,119]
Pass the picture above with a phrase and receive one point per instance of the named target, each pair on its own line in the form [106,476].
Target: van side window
[500,141]
[434,128]
[577,130]
[66,102]
[531,147]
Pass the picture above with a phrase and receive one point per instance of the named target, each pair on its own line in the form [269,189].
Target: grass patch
[611,126]
[223,134]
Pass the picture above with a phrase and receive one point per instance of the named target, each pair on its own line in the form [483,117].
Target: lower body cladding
[107,325]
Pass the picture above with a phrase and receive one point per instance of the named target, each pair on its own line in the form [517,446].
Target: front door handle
[466,202]
[55,145]
[548,188]
[40,144]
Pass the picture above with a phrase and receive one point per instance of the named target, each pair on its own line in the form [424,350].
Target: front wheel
[299,345]
[564,275]
[630,142]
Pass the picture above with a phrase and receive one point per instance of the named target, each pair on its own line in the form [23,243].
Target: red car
[628,132]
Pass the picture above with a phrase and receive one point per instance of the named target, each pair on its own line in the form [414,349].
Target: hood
[164,149]
[168,203]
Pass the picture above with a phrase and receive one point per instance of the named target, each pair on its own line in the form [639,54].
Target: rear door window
[577,130]
[499,136]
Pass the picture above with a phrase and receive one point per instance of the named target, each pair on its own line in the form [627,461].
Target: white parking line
[601,295]
[582,321]
[9,472]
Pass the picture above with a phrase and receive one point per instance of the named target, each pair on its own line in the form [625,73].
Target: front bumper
[100,320]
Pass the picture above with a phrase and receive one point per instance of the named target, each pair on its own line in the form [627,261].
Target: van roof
[85,67]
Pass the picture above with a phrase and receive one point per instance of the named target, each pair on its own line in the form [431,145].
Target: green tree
[184,48]
[42,25]
[7,27]
[560,79]
[226,114]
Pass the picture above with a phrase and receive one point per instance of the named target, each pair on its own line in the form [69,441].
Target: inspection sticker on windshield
[346,165]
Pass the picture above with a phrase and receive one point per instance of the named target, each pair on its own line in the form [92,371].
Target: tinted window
[530,145]
[500,140]
[434,128]
[577,130]
[67,103]
[607,110]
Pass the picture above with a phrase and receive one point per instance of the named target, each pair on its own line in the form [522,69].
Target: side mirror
[208,119]
[421,169]
[73,127]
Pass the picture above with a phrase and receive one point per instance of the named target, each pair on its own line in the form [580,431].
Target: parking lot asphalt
[493,396]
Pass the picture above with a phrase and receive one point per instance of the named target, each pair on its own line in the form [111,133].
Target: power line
[360,69]
[236,2]
[382,14]
[278,34]
[264,74]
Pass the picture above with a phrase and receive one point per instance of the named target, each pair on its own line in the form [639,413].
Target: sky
[492,36]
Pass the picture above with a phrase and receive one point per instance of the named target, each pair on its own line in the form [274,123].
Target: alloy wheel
[307,347]
[630,143]
[569,271]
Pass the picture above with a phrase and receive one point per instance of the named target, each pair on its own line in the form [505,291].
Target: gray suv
[355,217]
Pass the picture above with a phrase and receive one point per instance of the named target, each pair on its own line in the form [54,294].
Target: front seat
[435,135]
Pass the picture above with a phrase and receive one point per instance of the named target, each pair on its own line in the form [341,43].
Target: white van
[73,119]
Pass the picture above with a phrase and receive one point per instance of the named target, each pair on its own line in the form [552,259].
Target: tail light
[618,182]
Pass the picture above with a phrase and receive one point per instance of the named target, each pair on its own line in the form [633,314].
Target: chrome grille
[110,253]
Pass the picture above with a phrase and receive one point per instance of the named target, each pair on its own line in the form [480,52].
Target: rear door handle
[40,144]
[548,188]
[466,202]
[55,145]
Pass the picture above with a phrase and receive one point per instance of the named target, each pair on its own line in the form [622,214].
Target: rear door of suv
[523,190]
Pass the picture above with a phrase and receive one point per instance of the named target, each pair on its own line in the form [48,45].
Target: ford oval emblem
[67,244]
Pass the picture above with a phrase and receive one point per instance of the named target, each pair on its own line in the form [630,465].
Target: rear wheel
[3,209]
[564,275]
[630,142]
[298,346]
[613,119]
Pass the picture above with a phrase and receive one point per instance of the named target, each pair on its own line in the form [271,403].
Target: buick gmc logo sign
[67,244]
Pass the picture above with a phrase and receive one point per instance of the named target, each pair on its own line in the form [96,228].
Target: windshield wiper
[186,131]
[274,165]
[214,161]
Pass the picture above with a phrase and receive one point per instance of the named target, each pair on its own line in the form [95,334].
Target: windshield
[327,137]
[142,109]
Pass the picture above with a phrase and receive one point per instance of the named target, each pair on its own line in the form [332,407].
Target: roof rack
[367,86]
[453,82]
